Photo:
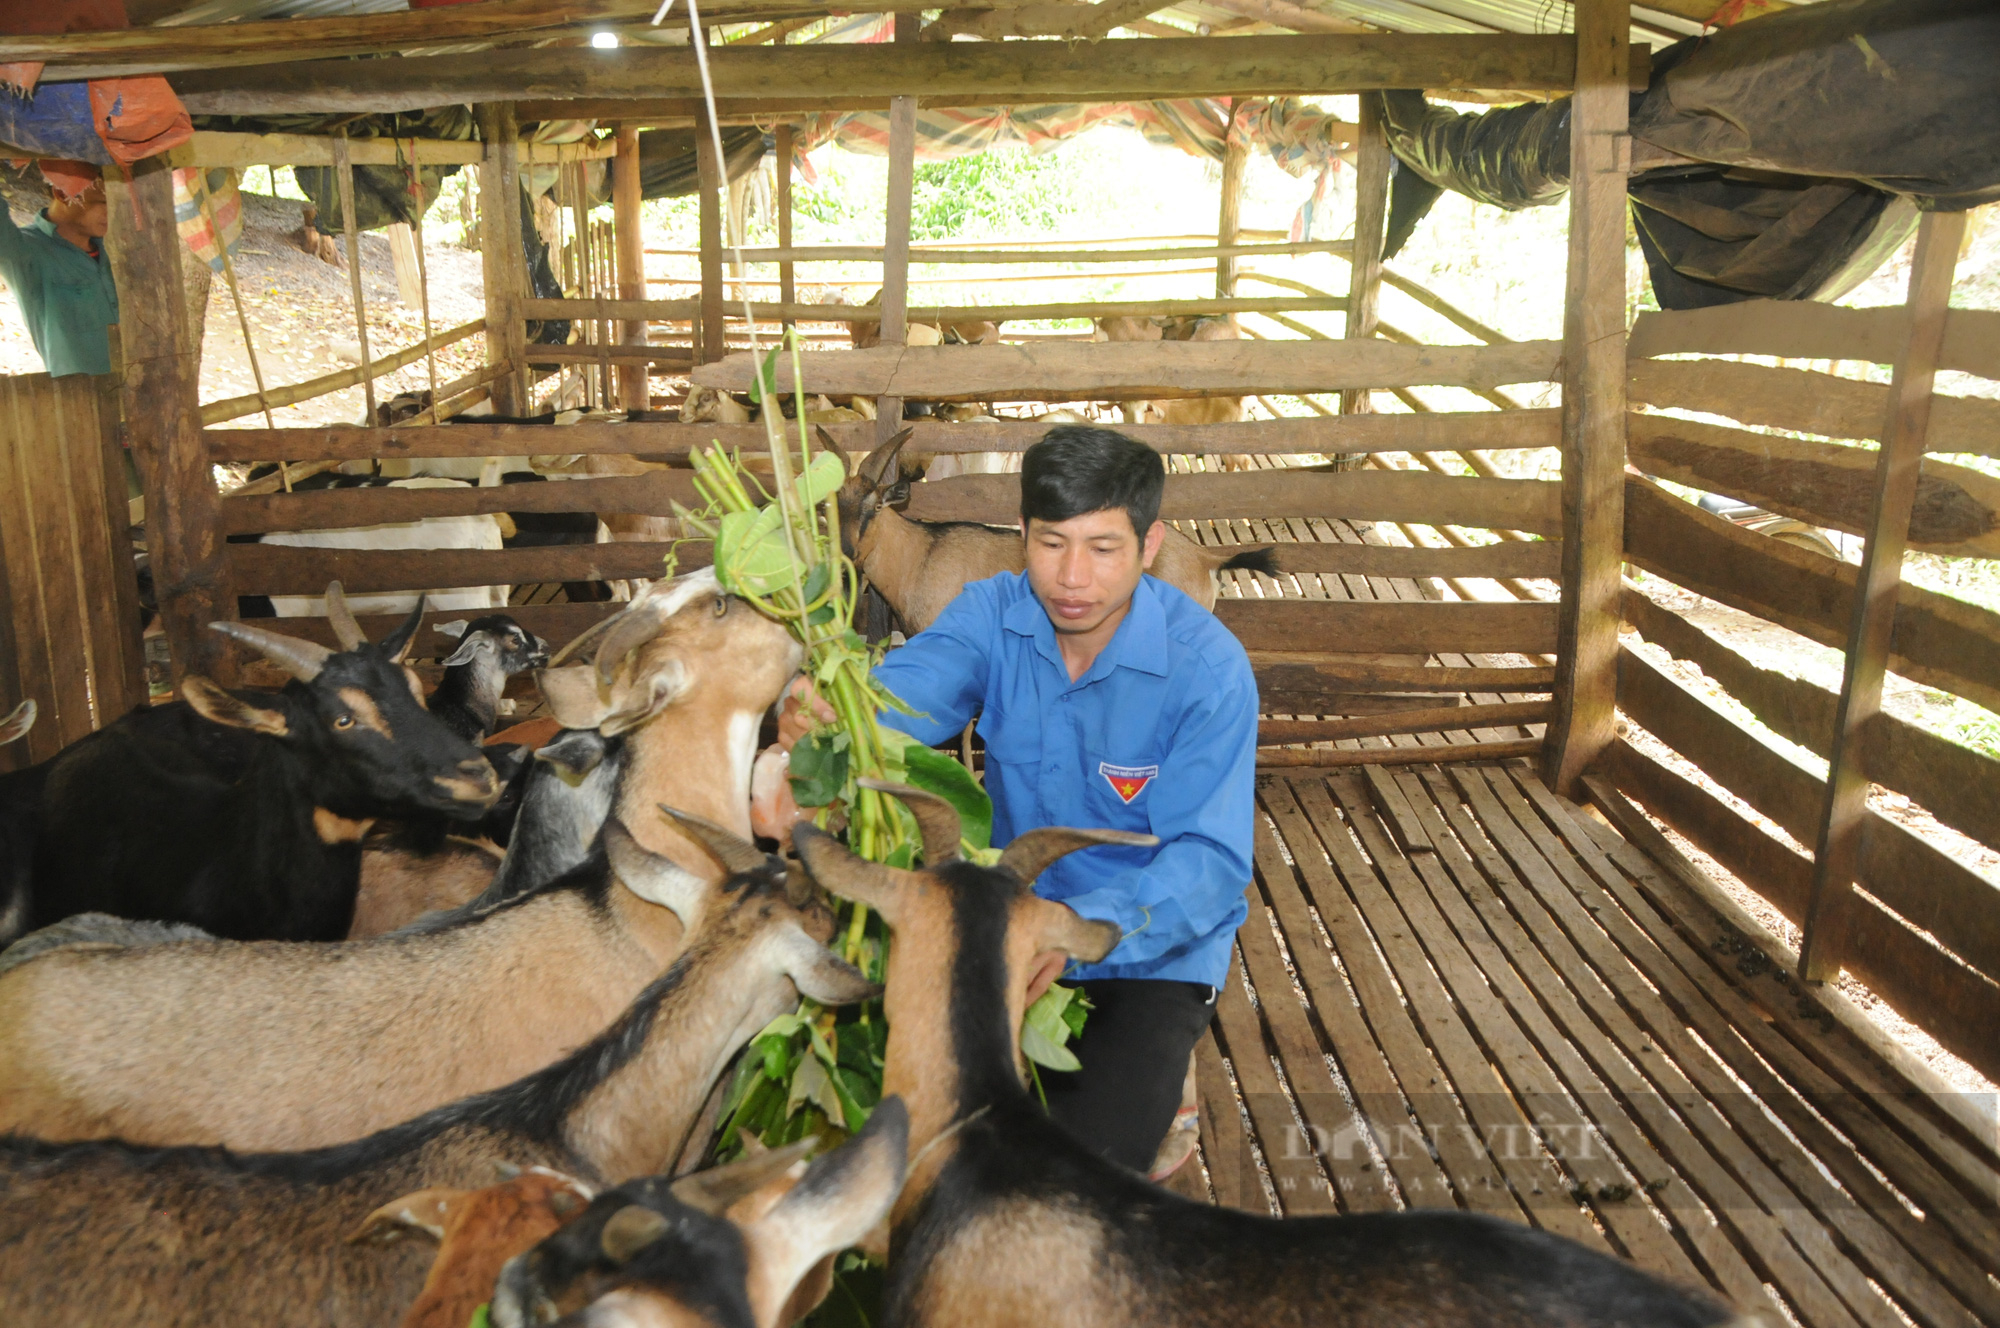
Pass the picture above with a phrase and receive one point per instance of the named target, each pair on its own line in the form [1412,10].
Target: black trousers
[1134,1051]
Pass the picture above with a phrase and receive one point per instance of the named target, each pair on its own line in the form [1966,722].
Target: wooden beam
[1316,683]
[1150,369]
[1808,330]
[276,569]
[1804,401]
[782,204]
[1508,558]
[503,265]
[863,315]
[1939,641]
[1235,153]
[711,339]
[1361,434]
[1449,753]
[1435,719]
[162,417]
[1593,398]
[1422,627]
[996,72]
[868,253]
[1830,911]
[651,494]
[1366,495]
[212,147]
[1957,509]
[1371,212]
[894,327]
[634,391]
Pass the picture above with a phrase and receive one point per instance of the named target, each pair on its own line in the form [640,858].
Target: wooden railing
[1922,926]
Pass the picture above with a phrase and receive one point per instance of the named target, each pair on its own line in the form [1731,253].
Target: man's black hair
[1076,469]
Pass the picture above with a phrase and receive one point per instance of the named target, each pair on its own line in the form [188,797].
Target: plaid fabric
[224,203]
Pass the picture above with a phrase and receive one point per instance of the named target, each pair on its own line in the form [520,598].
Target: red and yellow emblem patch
[1127,781]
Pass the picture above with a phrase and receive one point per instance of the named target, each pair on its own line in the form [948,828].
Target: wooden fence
[69,607]
[1921,926]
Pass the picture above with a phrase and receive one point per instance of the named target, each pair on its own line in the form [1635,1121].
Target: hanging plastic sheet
[198,226]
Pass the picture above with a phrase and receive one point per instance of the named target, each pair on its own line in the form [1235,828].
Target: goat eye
[343,721]
[721,605]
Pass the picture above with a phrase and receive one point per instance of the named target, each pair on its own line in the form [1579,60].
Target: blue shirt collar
[1139,643]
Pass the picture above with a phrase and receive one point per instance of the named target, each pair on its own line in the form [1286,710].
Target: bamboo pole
[896,241]
[634,387]
[1235,154]
[995,253]
[231,408]
[242,319]
[503,263]
[787,271]
[423,277]
[1371,208]
[343,170]
[709,343]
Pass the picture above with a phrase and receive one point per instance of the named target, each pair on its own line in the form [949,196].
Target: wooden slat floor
[1457,990]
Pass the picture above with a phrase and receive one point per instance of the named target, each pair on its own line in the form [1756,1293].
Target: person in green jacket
[58,271]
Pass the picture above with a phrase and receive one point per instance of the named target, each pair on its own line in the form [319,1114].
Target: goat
[920,566]
[242,812]
[1011,1221]
[477,1232]
[567,792]
[760,1259]
[148,1044]
[112,1233]
[1187,410]
[437,532]
[490,650]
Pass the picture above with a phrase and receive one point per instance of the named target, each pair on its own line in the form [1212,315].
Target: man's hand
[802,711]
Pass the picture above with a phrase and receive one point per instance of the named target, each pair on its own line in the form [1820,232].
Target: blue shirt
[1159,736]
[66,296]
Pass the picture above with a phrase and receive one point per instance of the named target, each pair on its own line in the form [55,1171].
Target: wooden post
[634,390]
[1235,154]
[711,335]
[163,419]
[896,248]
[1371,213]
[1898,467]
[505,265]
[787,271]
[1593,394]
[343,174]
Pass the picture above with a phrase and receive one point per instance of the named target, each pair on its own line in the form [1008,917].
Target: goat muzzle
[474,782]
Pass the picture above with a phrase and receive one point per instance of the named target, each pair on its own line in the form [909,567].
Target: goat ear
[19,720]
[473,646]
[573,696]
[219,707]
[1058,927]
[719,1188]
[652,877]
[428,1211]
[820,973]
[574,753]
[658,689]
[832,865]
[397,644]
[629,1230]
[456,627]
[839,1199]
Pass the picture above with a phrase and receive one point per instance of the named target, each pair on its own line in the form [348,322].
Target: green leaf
[1043,1030]
[934,772]
[817,581]
[479,1319]
[751,556]
[1075,1012]
[812,1084]
[818,770]
[822,477]
[767,378]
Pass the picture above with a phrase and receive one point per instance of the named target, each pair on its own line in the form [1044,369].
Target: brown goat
[920,566]
[399,884]
[261,1045]
[1009,1222]
[1182,410]
[477,1231]
[110,1234]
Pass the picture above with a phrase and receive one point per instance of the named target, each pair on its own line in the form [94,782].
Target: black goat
[1009,1222]
[490,650]
[241,812]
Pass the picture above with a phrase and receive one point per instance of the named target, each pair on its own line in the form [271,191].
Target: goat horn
[716,1189]
[726,847]
[937,819]
[629,630]
[345,630]
[302,659]
[882,458]
[1030,854]
[397,643]
[826,441]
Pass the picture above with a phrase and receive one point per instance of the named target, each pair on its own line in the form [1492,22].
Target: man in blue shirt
[58,272]
[1106,698]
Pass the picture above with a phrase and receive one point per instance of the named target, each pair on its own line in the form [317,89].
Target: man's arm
[941,672]
[1203,805]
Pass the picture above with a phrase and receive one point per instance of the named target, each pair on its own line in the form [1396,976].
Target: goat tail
[1261,559]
